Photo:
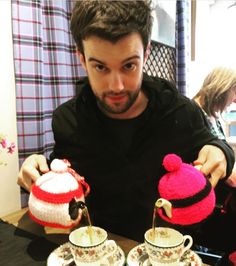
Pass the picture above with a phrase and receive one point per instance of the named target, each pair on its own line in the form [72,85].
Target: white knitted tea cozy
[54,193]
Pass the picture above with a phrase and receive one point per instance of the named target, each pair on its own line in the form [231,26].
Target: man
[121,124]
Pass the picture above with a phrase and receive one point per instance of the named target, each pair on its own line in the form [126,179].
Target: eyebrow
[91,59]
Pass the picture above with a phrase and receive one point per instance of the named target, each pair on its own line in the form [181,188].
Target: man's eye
[129,66]
[100,68]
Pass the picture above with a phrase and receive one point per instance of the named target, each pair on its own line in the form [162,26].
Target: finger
[202,157]
[24,184]
[213,180]
[31,173]
[214,168]
[203,167]
[202,170]
[198,167]
[202,164]
[217,174]
[42,164]
[30,170]
[207,168]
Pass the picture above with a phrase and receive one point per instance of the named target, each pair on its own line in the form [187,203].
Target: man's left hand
[213,163]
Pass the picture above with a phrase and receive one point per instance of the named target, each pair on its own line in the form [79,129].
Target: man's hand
[31,169]
[213,163]
[231,180]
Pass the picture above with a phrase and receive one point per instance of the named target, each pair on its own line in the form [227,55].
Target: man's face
[115,73]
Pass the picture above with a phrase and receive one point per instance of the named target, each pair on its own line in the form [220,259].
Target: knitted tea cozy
[189,191]
[55,196]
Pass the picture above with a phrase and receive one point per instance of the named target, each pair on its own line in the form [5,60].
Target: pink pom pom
[172,162]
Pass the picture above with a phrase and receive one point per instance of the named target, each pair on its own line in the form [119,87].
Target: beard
[117,107]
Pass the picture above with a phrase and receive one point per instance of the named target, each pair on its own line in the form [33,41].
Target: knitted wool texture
[52,193]
[191,194]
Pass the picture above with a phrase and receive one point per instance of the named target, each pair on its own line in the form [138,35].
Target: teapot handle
[80,180]
[85,185]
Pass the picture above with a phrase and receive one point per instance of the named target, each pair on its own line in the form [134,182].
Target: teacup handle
[190,243]
[111,248]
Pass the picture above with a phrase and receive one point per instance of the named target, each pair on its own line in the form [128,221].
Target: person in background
[218,91]
[122,123]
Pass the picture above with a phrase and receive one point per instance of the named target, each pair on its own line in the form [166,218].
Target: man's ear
[82,59]
[147,52]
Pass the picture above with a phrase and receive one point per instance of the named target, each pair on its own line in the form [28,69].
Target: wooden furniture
[21,220]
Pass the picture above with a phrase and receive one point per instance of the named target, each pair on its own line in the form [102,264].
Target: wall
[9,190]
[165,14]
[199,67]
[215,40]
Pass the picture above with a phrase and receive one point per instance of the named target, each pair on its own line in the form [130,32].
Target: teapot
[57,196]
[186,195]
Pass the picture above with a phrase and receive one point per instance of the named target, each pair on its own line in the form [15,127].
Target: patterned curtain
[46,69]
[182,45]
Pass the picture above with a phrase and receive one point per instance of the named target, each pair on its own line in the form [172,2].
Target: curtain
[46,69]
[183,49]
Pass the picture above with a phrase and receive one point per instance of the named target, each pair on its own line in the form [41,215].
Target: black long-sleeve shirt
[122,159]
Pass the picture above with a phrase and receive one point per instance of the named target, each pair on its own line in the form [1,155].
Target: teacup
[90,246]
[165,246]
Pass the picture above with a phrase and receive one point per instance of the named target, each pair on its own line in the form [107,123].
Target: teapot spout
[166,205]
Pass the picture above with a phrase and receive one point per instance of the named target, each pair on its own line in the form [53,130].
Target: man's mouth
[116,98]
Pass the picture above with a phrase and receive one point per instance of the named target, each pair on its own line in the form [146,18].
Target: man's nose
[116,83]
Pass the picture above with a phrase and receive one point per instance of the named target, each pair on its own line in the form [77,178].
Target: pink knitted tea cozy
[189,191]
[55,196]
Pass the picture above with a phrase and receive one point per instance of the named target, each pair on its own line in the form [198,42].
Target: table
[50,237]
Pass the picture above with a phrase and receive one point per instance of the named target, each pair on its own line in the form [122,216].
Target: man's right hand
[32,168]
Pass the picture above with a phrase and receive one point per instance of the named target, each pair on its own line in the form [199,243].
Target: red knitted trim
[56,197]
[55,225]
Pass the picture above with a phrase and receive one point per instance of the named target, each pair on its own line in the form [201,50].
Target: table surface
[21,220]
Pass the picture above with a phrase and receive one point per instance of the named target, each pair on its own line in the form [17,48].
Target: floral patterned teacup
[90,246]
[165,246]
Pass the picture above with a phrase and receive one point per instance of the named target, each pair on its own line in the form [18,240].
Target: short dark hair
[111,20]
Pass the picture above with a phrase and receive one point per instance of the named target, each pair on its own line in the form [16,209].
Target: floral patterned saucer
[62,257]
[138,257]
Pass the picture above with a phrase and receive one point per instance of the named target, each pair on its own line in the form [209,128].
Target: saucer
[138,257]
[61,256]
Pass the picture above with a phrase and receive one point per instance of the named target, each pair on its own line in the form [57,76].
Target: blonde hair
[216,89]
